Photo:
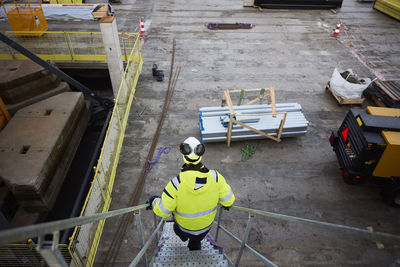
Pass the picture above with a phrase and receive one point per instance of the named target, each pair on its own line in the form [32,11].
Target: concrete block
[61,88]
[37,140]
[248,3]
[21,80]
[49,197]
[17,72]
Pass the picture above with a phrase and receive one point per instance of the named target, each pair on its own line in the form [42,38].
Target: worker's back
[197,198]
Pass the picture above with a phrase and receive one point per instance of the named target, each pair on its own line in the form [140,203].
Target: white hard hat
[192,150]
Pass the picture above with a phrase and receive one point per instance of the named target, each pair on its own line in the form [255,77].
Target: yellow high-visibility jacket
[192,197]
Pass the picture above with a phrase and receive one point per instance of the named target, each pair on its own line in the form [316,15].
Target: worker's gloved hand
[150,201]
[226,208]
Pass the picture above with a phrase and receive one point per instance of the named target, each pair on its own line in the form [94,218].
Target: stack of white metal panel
[213,122]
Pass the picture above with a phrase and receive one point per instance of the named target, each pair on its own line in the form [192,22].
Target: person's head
[192,150]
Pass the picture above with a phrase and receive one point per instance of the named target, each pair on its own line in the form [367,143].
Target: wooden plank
[273,103]
[229,101]
[101,12]
[377,102]
[223,102]
[281,126]
[254,100]
[232,112]
[257,131]
[257,114]
[229,133]
[246,90]
[387,91]
[345,101]
[395,91]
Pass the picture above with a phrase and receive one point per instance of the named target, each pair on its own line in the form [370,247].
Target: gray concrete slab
[20,81]
[61,88]
[293,51]
[34,145]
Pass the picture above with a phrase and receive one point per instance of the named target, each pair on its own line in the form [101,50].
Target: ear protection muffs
[186,149]
[199,149]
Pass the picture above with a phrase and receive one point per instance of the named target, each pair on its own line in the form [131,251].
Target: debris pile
[347,84]
[384,93]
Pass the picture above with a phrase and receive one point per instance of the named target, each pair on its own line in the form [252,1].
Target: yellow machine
[389,7]
[388,165]
[26,18]
[367,146]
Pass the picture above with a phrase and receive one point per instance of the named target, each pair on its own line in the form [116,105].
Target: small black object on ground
[229,26]
[157,73]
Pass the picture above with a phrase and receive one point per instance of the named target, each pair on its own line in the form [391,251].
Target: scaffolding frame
[264,92]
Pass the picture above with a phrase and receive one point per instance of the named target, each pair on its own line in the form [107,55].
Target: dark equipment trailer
[367,146]
[299,4]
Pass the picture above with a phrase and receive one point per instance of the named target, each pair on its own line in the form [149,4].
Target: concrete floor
[291,50]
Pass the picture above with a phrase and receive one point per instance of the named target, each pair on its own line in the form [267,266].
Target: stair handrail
[374,236]
[142,252]
[37,230]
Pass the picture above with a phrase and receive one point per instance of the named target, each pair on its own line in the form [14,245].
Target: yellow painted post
[91,42]
[4,110]
[4,115]
[69,48]
[123,46]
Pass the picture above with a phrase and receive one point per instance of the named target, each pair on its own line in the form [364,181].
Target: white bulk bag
[341,87]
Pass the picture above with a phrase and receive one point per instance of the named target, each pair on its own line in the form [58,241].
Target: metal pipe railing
[252,250]
[244,240]
[140,234]
[23,233]
[146,246]
[374,236]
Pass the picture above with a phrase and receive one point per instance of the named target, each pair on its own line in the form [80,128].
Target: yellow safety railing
[82,248]
[66,46]
[85,239]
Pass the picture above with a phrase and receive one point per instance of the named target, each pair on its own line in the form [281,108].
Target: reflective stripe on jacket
[193,196]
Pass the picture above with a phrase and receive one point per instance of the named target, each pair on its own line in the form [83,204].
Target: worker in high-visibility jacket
[192,196]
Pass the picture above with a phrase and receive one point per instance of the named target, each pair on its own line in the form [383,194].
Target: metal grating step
[189,256]
[223,263]
[183,251]
[174,252]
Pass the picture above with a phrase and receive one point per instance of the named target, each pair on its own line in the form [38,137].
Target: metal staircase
[172,251]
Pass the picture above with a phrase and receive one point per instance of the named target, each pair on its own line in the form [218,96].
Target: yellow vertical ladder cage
[26,18]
